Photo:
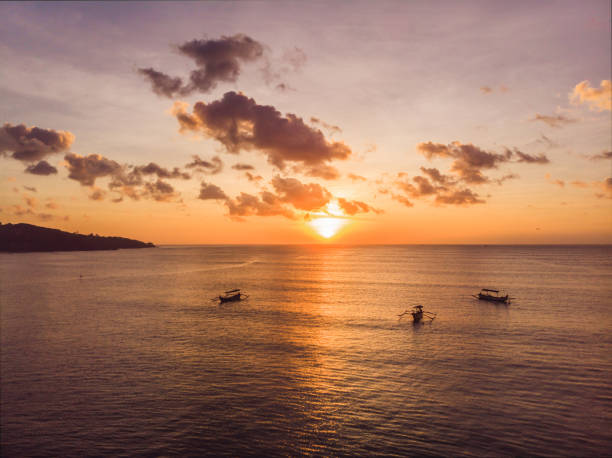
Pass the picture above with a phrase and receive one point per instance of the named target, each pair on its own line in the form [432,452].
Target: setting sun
[327,227]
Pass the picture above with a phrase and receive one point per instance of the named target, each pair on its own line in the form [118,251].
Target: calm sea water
[133,358]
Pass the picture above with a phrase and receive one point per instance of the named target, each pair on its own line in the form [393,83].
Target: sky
[469,122]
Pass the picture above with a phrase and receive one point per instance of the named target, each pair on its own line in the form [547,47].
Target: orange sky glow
[268,123]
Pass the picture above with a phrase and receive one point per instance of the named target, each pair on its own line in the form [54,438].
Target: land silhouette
[21,237]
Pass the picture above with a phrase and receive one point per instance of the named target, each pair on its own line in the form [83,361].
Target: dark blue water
[133,358]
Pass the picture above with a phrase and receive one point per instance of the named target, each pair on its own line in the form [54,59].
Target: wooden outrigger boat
[232,295]
[491,295]
[418,314]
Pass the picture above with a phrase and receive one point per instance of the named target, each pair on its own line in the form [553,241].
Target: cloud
[531,159]
[41,168]
[29,144]
[240,124]
[211,191]
[212,167]
[30,188]
[253,178]
[579,184]
[163,84]
[308,197]
[153,169]
[86,169]
[248,205]
[127,180]
[606,186]
[598,99]
[291,61]
[486,89]
[217,60]
[459,197]
[30,201]
[469,159]
[553,121]
[554,181]
[354,177]
[352,207]
[401,199]
[601,156]
[325,171]
[159,191]
[97,194]
[242,167]
[329,127]
[444,189]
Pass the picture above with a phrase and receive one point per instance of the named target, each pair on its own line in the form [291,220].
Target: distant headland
[18,238]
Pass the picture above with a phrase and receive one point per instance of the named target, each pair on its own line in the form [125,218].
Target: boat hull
[486,297]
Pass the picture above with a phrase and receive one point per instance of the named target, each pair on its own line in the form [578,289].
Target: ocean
[123,353]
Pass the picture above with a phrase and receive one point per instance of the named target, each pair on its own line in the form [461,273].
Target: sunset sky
[343,122]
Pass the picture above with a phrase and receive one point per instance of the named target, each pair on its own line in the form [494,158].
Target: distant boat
[232,295]
[491,295]
[418,314]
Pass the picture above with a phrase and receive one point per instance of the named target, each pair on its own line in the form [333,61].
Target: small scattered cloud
[209,191]
[325,171]
[553,121]
[240,166]
[485,89]
[531,159]
[598,99]
[354,177]
[86,169]
[41,168]
[253,178]
[352,207]
[97,194]
[555,181]
[30,188]
[212,167]
[606,155]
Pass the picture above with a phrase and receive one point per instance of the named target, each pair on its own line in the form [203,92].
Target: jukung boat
[491,295]
[418,314]
[232,295]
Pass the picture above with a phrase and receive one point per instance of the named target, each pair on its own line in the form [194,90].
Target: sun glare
[327,227]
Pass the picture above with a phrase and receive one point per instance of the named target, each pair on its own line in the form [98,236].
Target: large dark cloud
[41,168]
[216,60]
[30,144]
[239,123]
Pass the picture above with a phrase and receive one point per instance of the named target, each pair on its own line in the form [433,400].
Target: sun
[327,227]
[330,222]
